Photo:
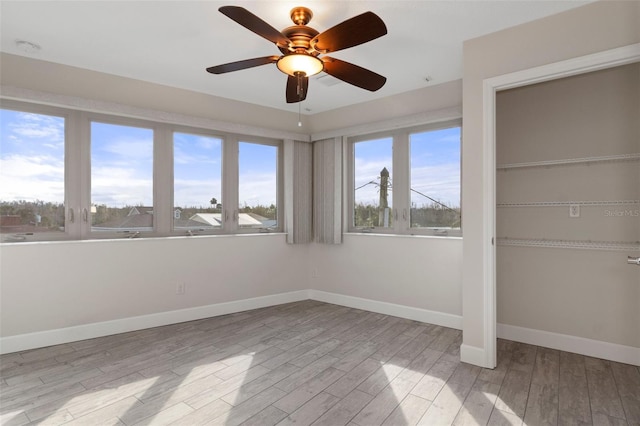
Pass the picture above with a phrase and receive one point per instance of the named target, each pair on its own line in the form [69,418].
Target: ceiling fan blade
[241,65]
[353,74]
[352,32]
[295,92]
[251,22]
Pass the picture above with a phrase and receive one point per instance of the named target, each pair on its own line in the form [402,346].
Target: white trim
[473,355]
[588,63]
[489,227]
[567,343]
[113,108]
[402,311]
[89,331]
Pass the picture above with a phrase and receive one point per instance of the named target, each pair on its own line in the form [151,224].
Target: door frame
[580,65]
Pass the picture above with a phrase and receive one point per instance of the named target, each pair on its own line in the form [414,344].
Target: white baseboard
[402,311]
[469,354]
[564,342]
[89,331]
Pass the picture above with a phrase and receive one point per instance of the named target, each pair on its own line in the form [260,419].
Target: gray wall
[585,293]
[83,282]
[596,27]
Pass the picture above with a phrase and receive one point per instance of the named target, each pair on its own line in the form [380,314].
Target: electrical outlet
[315,273]
[181,288]
[574,210]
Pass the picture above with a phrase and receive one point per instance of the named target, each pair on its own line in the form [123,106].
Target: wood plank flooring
[308,363]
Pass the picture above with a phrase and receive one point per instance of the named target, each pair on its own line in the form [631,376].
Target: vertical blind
[298,191]
[327,191]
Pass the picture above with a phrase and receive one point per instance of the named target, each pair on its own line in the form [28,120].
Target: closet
[568,206]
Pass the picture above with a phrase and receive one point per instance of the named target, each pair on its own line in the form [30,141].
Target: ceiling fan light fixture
[294,63]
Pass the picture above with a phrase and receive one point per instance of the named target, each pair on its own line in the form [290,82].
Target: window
[435,179]
[373,195]
[67,174]
[406,181]
[197,182]
[121,178]
[258,186]
[32,170]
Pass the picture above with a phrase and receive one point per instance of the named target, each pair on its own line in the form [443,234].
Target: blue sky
[32,165]
[258,178]
[435,167]
[197,170]
[31,157]
[121,165]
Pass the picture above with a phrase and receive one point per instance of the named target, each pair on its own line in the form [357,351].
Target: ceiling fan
[301,47]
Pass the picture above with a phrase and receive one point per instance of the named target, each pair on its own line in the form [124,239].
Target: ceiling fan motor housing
[300,36]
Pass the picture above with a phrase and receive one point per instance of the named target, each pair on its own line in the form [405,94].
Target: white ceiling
[172,42]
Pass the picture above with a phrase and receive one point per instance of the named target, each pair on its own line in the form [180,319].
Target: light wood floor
[308,363]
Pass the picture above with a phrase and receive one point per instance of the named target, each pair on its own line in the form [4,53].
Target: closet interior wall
[567,213]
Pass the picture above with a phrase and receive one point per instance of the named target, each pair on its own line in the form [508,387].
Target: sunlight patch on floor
[11,417]
[203,370]
[119,397]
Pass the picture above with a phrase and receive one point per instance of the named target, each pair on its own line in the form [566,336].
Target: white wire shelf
[571,161]
[571,203]
[571,244]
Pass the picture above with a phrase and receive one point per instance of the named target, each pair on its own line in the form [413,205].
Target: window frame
[223,148]
[86,170]
[77,174]
[70,157]
[352,178]
[401,177]
[279,145]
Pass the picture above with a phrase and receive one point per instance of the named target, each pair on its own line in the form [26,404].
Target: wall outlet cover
[574,210]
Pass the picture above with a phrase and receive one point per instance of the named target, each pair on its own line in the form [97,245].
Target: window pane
[197,183]
[31,174]
[373,183]
[121,178]
[435,179]
[258,185]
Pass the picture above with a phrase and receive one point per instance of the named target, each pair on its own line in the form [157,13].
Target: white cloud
[129,149]
[180,156]
[369,171]
[189,193]
[440,182]
[207,142]
[257,189]
[36,126]
[31,178]
[119,187]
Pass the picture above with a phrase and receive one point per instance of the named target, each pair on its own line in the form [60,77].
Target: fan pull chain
[300,96]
